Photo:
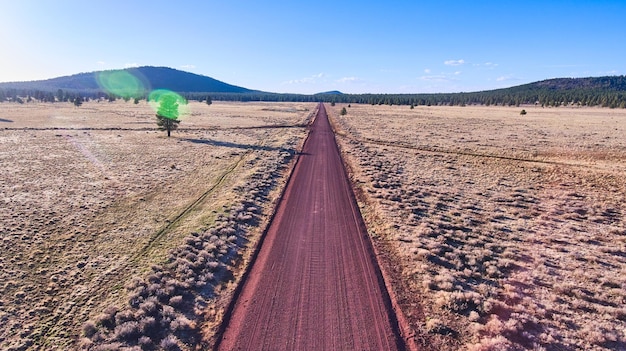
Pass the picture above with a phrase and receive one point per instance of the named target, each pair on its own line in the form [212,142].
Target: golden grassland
[501,230]
[94,196]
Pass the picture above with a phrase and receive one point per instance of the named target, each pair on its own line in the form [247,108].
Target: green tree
[60,95]
[78,101]
[167,114]
[343,111]
[208,100]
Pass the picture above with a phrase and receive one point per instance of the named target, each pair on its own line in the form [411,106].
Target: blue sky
[290,46]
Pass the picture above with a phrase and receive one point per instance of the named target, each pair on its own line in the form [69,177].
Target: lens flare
[168,104]
[122,83]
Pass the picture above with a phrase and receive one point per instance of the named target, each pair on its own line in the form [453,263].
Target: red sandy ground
[315,284]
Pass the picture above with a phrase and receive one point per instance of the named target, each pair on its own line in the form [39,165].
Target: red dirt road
[315,284]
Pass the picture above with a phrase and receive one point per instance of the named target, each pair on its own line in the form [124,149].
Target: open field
[498,231]
[94,196]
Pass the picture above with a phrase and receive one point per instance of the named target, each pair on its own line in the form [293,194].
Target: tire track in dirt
[153,129]
[83,295]
[315,284]
[159,235]
[462,153]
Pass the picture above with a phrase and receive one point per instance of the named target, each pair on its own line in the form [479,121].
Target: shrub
[127,331]
[145,342]
[176,300]
[107,318]
[170,343]
[436,326]
[150,306]
[148,326]
[89,329]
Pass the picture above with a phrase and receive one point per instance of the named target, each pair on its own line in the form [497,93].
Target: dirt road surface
[315,284]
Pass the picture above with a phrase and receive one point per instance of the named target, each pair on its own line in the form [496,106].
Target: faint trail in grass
[82,295]
[159,235]
[144,129]
[462,153]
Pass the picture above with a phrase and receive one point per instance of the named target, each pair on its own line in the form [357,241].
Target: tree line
[602,91]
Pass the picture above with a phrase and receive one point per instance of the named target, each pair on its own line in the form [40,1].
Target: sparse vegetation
[73,237]
[504,234]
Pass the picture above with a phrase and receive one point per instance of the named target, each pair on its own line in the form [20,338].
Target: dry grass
[509,230]
[95,195]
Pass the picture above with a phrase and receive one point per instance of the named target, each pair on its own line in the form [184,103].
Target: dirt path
[315,284]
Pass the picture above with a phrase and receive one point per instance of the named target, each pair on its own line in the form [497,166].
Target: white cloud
[131,65]
[486,64]
[454,62]
[507,78]
[312,79]
[427,70]
[101,63]
[435,78]
[188,66]
[348,80]
[442,77]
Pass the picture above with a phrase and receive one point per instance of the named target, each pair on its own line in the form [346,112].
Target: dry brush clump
[500,251]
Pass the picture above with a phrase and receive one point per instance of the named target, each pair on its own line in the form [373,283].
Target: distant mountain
[332,92]
[157,77]
[611,83]
[609,91]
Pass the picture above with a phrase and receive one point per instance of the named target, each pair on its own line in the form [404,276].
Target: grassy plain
[95,195]
[500,231]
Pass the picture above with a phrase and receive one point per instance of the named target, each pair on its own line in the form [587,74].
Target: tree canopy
[167,113]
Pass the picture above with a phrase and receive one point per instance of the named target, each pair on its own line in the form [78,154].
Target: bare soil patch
[501,231]
[94,196]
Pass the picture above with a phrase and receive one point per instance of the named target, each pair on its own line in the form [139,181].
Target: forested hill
[604,91]
[616,83]
[596,91]
[607,91]
[86,84]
